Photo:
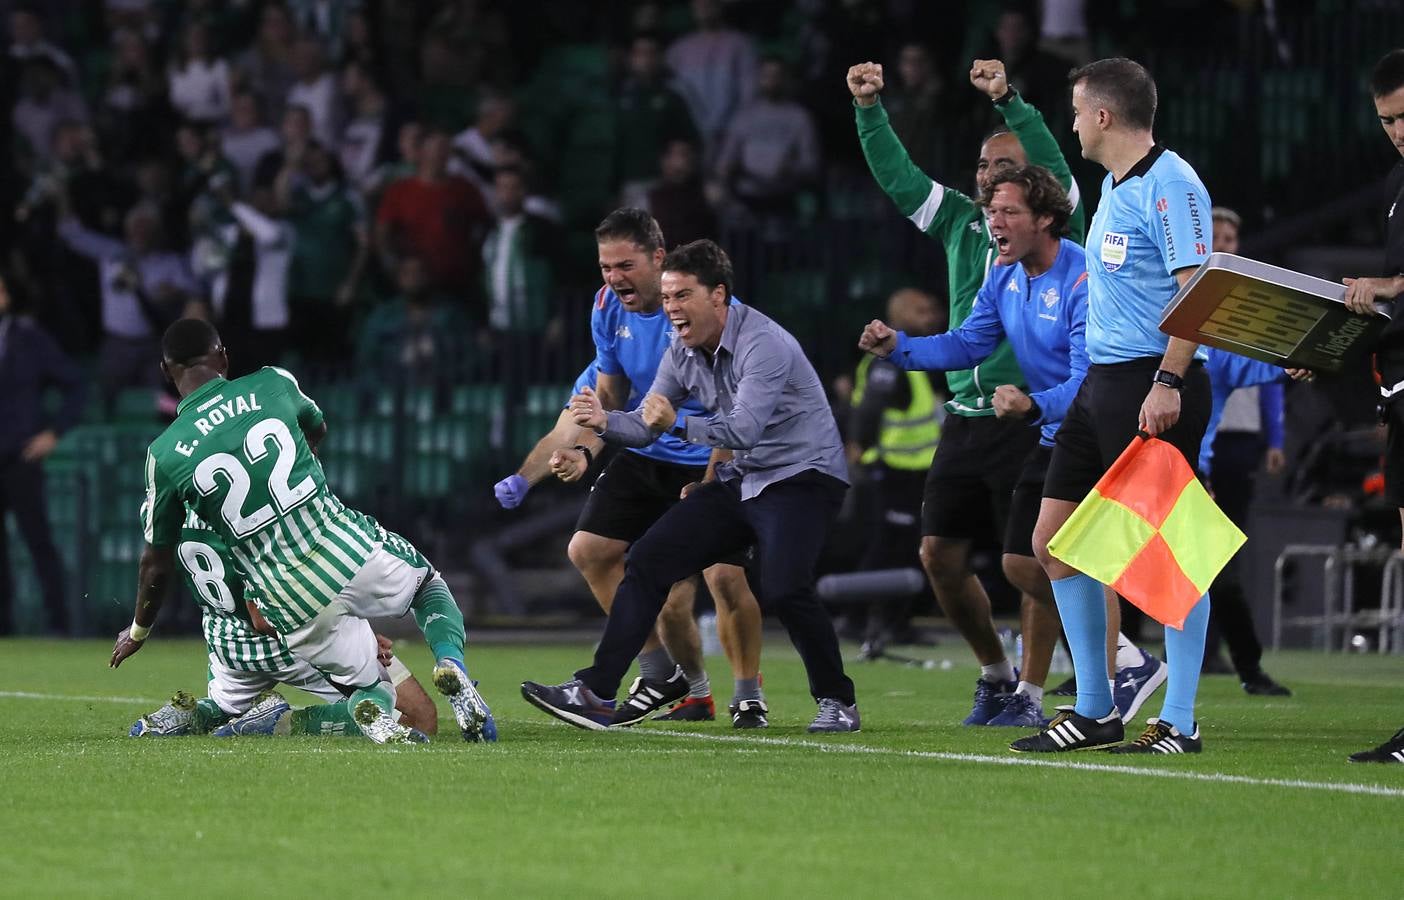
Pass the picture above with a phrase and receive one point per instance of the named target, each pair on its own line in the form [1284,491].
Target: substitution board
[1271,314]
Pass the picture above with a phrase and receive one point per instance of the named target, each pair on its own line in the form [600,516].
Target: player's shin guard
[1082,606]
[440,619]
[1184,654]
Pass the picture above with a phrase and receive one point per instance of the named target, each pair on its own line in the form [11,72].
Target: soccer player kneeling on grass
[246,665]
[1150,232]
[241,455]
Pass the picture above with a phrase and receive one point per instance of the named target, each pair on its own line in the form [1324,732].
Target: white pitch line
[1374,790]
[29,695]
[1174,774]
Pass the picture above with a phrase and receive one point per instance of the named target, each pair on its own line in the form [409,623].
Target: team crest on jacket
[1049,297]
[1113,250]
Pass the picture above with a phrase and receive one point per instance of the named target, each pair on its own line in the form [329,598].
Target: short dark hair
[1042,192]
[705,260]
[633,225]
[1124,85]
[1388,74]
[187,340]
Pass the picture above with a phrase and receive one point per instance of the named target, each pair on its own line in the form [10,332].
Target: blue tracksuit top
[632,344]
[1045,320]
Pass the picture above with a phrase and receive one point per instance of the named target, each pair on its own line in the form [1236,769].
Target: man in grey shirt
[780,491]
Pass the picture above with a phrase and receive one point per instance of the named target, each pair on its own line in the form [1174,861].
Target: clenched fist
[569,464]
[878,338]
[1011,403]
[988,76]
[658,413]
[587,410]
[865,82]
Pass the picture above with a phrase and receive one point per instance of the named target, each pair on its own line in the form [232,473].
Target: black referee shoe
[1391,751]
[1068,731]
[1162,737]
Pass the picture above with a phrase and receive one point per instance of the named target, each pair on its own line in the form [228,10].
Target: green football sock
[208,716]
[325,719]
[440,619]
[379,693]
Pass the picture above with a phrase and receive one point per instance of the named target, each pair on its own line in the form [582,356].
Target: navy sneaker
[1391,751]
[1020,711]
[1135,684]
[572,702]
[1162,737]
[835,717]
[1070,731]
[990,698]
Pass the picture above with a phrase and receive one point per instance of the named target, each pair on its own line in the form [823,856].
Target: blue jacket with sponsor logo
[632,344]
[1045,320]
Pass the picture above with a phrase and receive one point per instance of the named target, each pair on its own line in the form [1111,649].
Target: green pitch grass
[915,805]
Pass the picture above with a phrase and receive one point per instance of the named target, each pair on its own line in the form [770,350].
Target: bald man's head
[916,312]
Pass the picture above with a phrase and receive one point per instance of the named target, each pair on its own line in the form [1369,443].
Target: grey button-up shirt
[763,398]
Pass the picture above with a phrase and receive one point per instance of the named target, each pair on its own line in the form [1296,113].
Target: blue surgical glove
[511,491]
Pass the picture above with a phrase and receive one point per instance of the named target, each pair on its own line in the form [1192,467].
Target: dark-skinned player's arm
[315,435]
[162,517]
[154,576]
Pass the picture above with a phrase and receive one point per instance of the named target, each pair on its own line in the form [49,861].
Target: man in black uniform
[1387,86]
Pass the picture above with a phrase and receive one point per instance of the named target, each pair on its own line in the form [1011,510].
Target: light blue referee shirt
[1151,223]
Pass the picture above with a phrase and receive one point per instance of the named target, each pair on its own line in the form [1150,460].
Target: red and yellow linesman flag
[1151,531]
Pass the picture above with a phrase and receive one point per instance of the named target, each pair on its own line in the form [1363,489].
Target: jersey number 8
[237,475]
[207,573]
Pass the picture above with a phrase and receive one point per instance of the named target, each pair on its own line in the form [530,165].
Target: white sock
[1032,690]
[1127,653]
[1111,682]
[998,673]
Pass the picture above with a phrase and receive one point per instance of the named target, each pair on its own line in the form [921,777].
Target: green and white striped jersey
[213,577]
[236,455]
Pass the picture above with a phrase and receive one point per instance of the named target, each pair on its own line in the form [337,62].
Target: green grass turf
[692,811]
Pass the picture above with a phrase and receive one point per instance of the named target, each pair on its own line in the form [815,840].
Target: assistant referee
[1150,232]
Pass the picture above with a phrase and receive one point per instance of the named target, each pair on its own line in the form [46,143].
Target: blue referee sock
[1184,654]
[1083,608]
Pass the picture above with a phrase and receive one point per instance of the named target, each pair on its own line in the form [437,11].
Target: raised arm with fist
[658,413]
[865,82]
[588,411]
[988,76]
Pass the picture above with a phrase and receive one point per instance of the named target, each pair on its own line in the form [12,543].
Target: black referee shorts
[1394,450]
[1104,417]
[972,476]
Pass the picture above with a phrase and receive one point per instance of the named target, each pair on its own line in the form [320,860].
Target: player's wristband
[1035,411]
[1009,94]
[589,457]
[138,632]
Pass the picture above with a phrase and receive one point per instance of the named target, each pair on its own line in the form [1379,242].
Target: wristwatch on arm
[1169,379]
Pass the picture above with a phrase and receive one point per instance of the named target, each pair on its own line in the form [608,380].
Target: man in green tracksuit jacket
[978,461]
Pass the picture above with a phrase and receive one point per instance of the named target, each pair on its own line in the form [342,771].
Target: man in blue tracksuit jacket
[1035,295]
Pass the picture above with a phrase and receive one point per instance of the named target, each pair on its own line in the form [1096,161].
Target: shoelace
[1152,734]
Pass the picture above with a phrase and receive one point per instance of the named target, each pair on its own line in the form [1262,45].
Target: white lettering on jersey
[1113,250]
[227,410]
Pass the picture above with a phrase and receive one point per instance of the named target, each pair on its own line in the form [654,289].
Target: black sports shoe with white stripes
[646,696]
[749,714]
[1391,751]
[1069,731]
[1162,737]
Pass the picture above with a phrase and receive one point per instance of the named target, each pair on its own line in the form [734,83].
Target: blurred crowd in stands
[393,190]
